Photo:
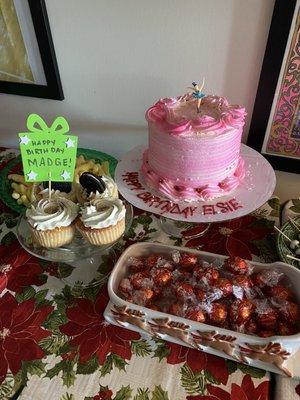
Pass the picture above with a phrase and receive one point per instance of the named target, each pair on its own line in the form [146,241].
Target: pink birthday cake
[194,152]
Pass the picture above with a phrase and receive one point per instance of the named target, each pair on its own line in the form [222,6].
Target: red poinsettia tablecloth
[55,343]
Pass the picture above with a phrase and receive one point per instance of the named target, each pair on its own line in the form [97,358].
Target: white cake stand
[254,191]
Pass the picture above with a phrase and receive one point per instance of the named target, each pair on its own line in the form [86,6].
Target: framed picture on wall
[275,125]
[28,63]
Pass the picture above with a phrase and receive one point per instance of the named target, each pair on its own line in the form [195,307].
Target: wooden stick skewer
[294,223]
[293,258]
[283,234]
[49,186]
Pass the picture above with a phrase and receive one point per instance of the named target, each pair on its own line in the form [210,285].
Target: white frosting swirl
[110,192]
[101,213]
[57,193]
[50,214]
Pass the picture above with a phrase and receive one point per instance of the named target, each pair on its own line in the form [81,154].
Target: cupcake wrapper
[103,236]
[55,237]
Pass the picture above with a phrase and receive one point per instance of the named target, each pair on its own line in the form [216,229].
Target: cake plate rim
[257,187]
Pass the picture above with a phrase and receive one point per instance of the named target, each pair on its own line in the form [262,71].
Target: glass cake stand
[90,264]
[179,229]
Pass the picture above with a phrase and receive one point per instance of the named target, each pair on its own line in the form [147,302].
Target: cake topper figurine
[197,93]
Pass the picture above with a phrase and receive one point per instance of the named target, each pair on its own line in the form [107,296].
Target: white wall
[116,57]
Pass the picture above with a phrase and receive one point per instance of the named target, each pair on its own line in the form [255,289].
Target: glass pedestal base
[186,230]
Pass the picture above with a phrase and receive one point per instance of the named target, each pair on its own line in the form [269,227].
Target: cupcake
[102,221]
[52,222]
[92,187]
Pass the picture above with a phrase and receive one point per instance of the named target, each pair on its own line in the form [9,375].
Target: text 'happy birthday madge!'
[48,152]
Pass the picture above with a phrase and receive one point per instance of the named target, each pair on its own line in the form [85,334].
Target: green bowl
[14,166]
[283,247]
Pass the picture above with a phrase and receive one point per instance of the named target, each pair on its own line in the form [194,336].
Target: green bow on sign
[47,151]
[36,124]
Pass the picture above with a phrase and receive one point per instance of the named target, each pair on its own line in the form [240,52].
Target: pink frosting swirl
[176,192]
[178,116]
[231,182]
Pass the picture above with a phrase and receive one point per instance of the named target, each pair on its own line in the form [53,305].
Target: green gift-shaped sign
[48,153]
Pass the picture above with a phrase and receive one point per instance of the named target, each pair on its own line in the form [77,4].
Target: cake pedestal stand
[91,265]
[256,188]
[177,228]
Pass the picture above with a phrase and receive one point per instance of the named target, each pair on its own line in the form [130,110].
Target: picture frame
[274,129]
[32,32]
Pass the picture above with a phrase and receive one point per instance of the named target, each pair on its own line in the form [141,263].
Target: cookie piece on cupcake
[52,222]
[102,221]
[59,189]
[91,186]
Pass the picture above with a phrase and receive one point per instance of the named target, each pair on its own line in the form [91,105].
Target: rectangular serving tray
[279,354]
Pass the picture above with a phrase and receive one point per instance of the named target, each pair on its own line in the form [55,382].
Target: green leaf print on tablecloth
[27,294]
[247,369]
[267,249]
[195,382]
[159,394]
[112,360]
[252,371]
[231,366]
[123,394]
[141,348]
[53,344]
[69,396]
[161,351]
[90,292]
[140,228]
[7,387]
[10,220]
[104,394]
[8,238]
[40,297]
[107,264]
[30,293]
[55,319]
[89,367]
[142,394]
[67,369]
[36,367]
[65,270]
[126,393]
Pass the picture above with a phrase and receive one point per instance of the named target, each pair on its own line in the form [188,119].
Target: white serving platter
[279,354]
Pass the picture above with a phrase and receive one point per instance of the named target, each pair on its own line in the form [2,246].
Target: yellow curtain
[14,65]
